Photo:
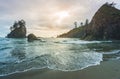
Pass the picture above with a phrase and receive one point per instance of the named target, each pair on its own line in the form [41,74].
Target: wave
[26,70]
[21,71]
[62,62]
[111,52]
[80,42]
[24,56]
[112,55]
[4,48]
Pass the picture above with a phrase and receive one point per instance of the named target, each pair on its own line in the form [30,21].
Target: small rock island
[18,30]
[31,37]
[105,25]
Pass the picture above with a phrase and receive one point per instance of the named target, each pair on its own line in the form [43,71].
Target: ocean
[64,54]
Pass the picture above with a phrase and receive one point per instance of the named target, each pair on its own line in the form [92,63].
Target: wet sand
[106,70]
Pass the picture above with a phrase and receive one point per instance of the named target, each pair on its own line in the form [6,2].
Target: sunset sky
[47,18]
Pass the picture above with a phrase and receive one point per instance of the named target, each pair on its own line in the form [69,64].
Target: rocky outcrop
[18,30]
[32,37]
[105,25]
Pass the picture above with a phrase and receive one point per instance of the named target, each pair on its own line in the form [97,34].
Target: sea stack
[105,25]
[18,30]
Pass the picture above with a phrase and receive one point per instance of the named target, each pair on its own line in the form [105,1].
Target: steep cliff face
[18,30]
[105,25]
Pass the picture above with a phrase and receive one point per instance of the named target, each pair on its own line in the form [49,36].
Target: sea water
[65,54]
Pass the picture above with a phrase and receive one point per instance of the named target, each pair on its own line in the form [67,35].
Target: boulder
[32,37]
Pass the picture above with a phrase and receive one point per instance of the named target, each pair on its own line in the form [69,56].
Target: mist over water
[54,53]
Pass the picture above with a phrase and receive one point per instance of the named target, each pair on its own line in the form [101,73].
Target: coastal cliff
[105,25]
[18,30]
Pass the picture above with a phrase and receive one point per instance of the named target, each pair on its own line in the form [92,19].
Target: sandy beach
[106,70]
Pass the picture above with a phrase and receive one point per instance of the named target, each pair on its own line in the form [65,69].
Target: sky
[48,18]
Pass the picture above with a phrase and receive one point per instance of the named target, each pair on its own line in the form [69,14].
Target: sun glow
[61,16]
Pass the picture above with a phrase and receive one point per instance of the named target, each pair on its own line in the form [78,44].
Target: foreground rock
[18,30]
[105,25]
[32,37]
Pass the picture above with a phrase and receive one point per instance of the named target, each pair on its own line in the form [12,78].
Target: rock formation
[18,30]
[105,25]
[32,37]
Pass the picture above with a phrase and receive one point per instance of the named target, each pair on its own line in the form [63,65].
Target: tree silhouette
[81,23]
[11,28]
[75,23]
[86,22]
[15,25]
[112,4]
[21,23]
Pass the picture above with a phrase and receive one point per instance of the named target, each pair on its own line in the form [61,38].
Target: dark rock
[18,30]
[32,37]
[105,25]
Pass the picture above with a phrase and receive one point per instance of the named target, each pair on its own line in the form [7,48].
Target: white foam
[118,58]
[22,71]
[68,61]
[76,62]
[81,42]
[111,52]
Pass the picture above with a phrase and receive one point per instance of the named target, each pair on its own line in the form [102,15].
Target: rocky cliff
[105,25]
[18,30]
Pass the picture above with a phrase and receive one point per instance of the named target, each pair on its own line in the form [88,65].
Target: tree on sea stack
[15,25]
[18,30]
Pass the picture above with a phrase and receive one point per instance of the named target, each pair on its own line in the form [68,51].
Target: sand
[106,70]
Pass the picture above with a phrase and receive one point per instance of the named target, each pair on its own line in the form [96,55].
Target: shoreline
[44,68]
[106,70]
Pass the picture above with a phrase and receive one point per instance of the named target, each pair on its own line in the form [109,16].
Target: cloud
[39,14]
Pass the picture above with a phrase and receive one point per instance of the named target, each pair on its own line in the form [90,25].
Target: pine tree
[81,23]
[15,25]
[75,23]
[21,23]
[86,22]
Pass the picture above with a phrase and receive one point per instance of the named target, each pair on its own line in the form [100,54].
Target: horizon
[45,21]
